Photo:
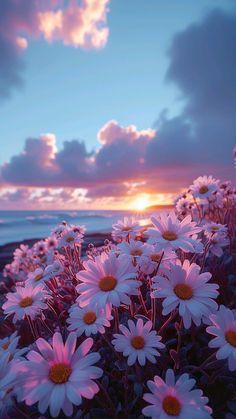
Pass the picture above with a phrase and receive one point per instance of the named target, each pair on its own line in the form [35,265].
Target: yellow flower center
[125,228]
[230,336]
[89,317]
[59,373]
[26,302]
[171,406]
[169,235]
[138,342]
[214,228]
[136,252]
[70,239]
[107,283]
[203,189]
[6,345]
[183,291]
[38,277]
[155,257]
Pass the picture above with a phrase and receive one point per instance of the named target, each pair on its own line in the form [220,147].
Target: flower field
[144,326]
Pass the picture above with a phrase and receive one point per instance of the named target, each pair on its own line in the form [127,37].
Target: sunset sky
[114,104]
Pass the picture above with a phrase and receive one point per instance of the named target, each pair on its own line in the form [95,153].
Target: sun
[141,203]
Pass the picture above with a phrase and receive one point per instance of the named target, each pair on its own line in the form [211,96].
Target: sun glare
[141,203]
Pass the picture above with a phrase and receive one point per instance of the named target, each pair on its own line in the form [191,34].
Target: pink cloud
[78,25]
[81,25]
[112,132]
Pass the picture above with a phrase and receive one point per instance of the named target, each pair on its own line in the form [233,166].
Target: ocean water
[20,225]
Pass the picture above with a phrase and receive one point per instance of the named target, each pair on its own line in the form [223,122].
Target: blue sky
[73,92]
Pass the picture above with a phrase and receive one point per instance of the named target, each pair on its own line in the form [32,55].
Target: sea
[20,225]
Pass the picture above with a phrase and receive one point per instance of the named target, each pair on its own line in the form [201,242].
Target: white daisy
[184,287]
[69,238]
[169,399]
[171,233]
[10,345]
[89,320]
[215,228]
[133,249]
[150,260]
[36,277]
[138,342]
[107,279]
[224,328]
[217,244]
[204,186]
[7,380]
[128,228]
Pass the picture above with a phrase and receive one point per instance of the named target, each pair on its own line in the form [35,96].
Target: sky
[113,104]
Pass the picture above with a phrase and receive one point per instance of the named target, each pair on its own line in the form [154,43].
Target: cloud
[41,164]
[77,25]
[81,25]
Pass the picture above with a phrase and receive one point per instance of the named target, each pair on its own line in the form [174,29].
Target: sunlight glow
[141,203]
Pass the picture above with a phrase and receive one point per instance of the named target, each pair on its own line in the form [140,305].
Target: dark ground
[6,251]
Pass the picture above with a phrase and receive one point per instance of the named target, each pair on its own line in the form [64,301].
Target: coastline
[6,250]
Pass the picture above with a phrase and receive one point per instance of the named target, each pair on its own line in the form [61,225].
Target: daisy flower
[107,279]
[188,290]
[36,277]
[10,345]
[184,204]
[89,320]
[59,375]
[40,248]
[150,260]
[51,242]
[133,249]
[7,380]
[22,253]
[170,399]
[224,330]
[25,301]
[69,238]
[79,229]
[56,268]
[171,233]
[138,342]
[128,228]
[214,228]
[204,186]
[218,242]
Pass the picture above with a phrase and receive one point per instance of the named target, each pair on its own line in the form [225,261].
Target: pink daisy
[224,330]
[107,279]
[211,229]
[150,260]
[10,345]
[170,399]
[25,301]
[69,238]
[184,287]
[59,375]
[204,186]
[128,228]
[133,248]
[7,381]
[89,320]
[138,342]
[171,233]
